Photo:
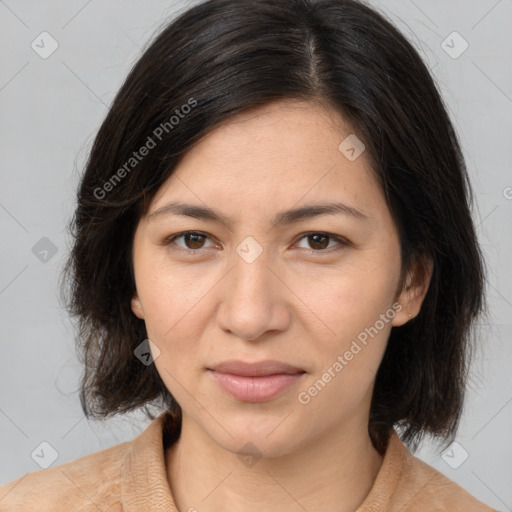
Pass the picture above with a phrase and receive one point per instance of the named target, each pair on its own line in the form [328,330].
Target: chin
[268,437]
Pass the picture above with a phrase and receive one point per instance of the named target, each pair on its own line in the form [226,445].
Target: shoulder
[407,484]
[421,487]
[92,482]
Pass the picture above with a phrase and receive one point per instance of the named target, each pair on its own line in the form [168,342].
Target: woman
[273,241]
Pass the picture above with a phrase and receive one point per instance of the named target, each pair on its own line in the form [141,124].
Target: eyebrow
[281,218]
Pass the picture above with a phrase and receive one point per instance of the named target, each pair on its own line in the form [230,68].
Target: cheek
[175,307]
[174,320]
[172,300]
[354,297]
[353,335]
[349,353]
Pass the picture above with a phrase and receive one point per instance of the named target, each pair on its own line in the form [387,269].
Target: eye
[193,240]
[319,241]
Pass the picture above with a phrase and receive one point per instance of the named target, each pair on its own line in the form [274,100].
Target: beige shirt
[131,477]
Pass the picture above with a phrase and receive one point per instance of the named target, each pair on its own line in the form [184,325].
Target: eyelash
[342,242]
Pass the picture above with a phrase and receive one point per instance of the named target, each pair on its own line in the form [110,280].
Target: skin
[302,301]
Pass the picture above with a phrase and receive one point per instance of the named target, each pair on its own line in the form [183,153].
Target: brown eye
[192,240]
[320,242]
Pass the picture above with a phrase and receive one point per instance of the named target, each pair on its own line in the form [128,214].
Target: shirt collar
[144,484]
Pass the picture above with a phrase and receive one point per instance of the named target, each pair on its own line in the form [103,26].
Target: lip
[255,369]
[255,382]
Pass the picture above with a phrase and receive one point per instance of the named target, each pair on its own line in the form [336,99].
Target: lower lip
[256,389]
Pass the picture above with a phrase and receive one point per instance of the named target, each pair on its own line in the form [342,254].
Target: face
[231,277]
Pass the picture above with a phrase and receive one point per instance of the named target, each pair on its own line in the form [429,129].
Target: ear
[414,291]
[137,306]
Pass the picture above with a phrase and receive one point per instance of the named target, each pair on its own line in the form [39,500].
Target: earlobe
[137,307]
[412,296]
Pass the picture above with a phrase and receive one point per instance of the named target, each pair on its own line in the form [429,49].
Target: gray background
[50,111]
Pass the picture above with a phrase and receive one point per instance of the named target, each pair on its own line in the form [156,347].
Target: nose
[254,299]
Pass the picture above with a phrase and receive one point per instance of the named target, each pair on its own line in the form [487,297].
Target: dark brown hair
[220,58]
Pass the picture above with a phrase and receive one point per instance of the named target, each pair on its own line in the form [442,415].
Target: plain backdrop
[51,107]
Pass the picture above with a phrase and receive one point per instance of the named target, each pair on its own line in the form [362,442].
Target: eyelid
[170,239]
[342,242]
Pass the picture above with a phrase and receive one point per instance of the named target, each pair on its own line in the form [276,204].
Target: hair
[219,58]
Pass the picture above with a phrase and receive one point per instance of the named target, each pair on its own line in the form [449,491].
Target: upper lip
[256,369]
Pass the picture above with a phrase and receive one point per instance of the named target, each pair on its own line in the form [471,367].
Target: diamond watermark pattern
[147,352]
[44,45]
[455,455]
[44,250]
[44,455]
[246,459]
[351,147]
[454,45]
[249,250]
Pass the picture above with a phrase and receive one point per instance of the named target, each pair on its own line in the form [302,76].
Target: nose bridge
[252,301]
[251,279]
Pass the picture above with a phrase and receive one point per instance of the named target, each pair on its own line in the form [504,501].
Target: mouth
[255,382]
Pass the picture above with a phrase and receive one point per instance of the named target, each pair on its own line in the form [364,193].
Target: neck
[333,474]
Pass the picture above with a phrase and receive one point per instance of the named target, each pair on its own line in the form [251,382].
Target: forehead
[285,129]
[278,154]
